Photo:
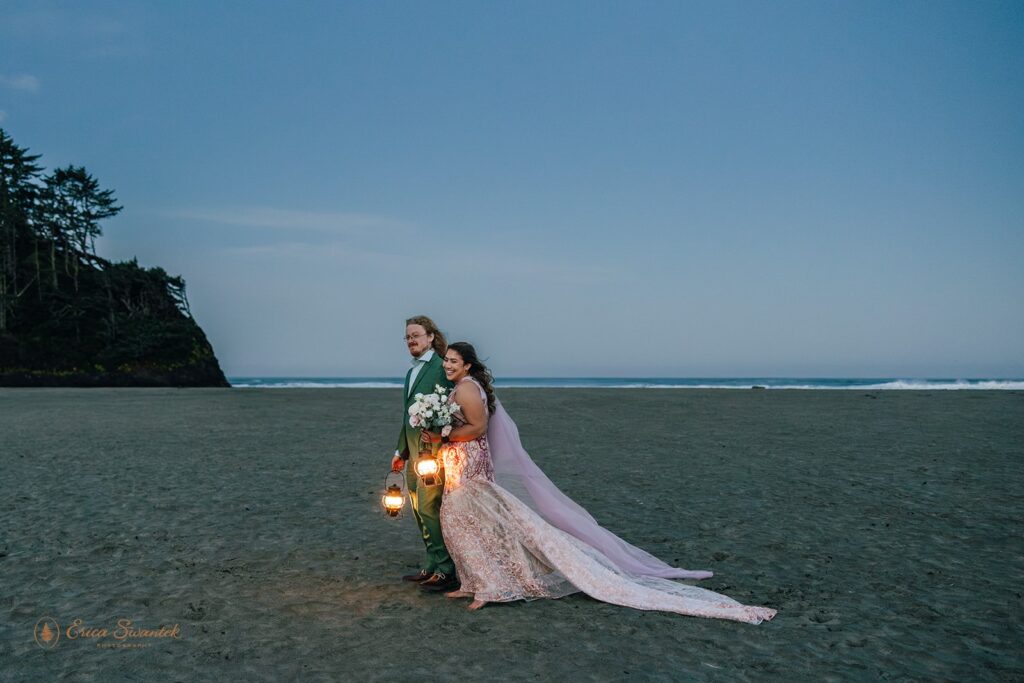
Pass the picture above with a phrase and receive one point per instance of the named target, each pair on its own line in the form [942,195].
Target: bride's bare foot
[477,604]
[458,594]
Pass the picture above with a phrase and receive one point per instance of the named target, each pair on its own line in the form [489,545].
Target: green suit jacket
[430,375]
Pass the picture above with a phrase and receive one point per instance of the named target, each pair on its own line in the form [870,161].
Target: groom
[427,346]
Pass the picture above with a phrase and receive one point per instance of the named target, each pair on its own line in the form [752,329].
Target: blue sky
[579,188]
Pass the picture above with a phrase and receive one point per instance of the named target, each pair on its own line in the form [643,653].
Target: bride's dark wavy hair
[477,370]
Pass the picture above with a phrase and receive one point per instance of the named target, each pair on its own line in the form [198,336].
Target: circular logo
[47,633]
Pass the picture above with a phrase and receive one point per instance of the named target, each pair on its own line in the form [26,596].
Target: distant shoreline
[805,383]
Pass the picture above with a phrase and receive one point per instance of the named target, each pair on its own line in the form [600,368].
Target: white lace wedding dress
[503,550]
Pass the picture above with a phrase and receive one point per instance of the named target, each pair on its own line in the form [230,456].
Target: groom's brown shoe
[440,582]
[423,575]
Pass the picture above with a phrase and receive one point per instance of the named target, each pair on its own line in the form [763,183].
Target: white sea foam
[242,384]
[914,384]
[893,385]
[900,385]
[605,383]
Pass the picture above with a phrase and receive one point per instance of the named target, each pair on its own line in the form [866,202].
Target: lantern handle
[401,480]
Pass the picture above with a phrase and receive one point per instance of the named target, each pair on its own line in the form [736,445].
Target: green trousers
[426,509]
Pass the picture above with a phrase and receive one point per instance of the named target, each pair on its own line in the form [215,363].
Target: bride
[515,536]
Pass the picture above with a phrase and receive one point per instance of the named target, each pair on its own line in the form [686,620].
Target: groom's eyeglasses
[410,337]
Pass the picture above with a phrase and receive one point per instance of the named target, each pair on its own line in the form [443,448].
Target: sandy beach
[885,527]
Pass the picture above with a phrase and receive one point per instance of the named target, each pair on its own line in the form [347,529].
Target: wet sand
[886,528]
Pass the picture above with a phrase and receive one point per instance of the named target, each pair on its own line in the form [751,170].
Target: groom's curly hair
[478,371]
[440,343]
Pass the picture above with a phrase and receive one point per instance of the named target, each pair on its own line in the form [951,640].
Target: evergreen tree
[74,204]
[18,173]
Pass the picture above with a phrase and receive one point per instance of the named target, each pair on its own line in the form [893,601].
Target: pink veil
[516,472]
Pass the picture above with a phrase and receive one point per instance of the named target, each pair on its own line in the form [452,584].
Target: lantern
[429,469]
[393,500]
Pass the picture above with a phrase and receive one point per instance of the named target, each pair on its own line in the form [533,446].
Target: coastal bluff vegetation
[70,318]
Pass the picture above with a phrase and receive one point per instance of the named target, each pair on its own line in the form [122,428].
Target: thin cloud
[484,264]
[286,219]
[53,22]
[119,32]
[3,116]
[296,251]
[25,82]
[513,267]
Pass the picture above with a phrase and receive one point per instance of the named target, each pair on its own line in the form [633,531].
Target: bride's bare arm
[474,410]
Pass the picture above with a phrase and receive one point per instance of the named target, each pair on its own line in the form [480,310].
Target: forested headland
[69,317]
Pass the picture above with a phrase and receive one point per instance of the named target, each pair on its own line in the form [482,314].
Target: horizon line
[652,377]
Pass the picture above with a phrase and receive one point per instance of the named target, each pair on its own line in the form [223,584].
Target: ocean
[867,384]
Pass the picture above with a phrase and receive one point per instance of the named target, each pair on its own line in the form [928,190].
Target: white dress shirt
[418,364]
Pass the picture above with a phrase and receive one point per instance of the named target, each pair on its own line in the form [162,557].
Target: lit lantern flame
[393,500]
[429,470]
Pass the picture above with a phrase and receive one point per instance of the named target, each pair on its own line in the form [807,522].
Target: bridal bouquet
[433,412]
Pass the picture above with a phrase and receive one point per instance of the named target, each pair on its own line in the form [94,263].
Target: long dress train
[504,550]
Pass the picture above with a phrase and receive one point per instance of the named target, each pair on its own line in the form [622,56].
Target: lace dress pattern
[505,551]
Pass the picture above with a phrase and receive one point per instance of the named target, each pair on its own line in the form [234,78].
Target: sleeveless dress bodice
[465,461]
